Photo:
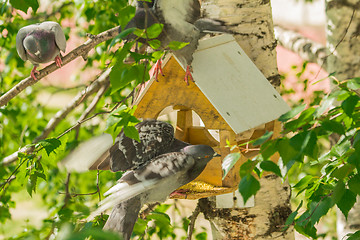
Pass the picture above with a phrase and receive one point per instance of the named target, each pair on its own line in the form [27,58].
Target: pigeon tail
[123,217]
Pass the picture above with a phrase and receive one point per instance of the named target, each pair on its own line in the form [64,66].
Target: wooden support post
[183,123]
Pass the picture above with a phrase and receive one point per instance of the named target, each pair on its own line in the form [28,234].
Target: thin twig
[67,192]
[148,209]
[61,114]
[79,194]
[93,104]
[98,184]
[82,50]
[340,41]
[10,178]
[193,218]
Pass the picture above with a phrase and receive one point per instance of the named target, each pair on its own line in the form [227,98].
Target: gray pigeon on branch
[182,23]
[41,43]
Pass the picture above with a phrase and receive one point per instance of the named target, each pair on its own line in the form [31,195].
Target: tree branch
[92,88]
[82,50]
[193,218]
[306,48]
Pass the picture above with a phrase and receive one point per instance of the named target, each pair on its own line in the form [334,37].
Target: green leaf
[228,162]
[292,216]
[268,149]
[271,167]
[354,159]
[120,36]
[154,30]
[24,5]
[326,103]
[347,202]
[286,151]
[306,230]
[50,144]
[248,187]
[353,83]
[247,167]
[292,113]
[338,192]
[262,139]
[353,236]
[348,105]
[304,182]
[132,132]
[306,142]
[201,236]
[31,184]
[154,44]
[305,118]
[333,126]
[342,172]
[175,45]
[320,209]
[354,184]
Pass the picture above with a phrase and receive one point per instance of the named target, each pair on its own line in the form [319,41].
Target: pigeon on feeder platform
[181,21]
[152,182]
[41,43]
[156,166]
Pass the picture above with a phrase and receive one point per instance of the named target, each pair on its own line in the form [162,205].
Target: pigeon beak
[216,155]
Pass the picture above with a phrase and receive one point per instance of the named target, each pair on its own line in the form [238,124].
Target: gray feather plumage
[152,182]
[182,22]
[41,42]
[157,166]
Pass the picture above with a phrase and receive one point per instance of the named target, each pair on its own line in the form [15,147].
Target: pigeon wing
[23,32]
[156,138]
[179,10]
[60,39]
[167,169]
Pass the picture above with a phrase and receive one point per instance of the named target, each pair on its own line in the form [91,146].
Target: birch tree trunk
[253,20]
[343,36]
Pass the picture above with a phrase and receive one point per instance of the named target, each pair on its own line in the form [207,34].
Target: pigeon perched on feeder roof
[156,166]
[181,21]
[41,43]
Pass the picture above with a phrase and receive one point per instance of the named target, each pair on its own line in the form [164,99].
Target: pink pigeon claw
[58,61]
[32,73]
[188,75]
[158,69]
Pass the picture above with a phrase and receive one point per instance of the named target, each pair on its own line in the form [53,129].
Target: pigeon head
[200,152]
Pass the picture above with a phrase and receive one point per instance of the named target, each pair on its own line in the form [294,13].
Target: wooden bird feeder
[229,94]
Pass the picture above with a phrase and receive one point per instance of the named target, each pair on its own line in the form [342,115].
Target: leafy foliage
[328,177]
[68,199]
[305,131]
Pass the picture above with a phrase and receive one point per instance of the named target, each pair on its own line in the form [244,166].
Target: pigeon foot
[58,61]
[33,71]
[158,69]
[188,75]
